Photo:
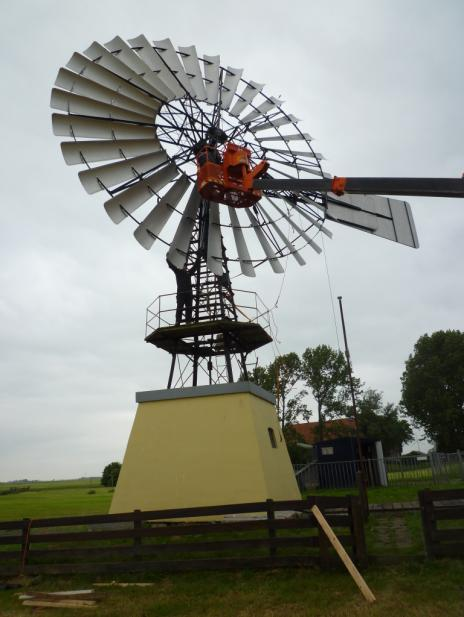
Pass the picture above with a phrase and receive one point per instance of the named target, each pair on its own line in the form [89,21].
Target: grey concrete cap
[223,388]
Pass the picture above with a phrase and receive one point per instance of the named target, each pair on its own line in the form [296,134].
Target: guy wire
[271,312]
[330,291]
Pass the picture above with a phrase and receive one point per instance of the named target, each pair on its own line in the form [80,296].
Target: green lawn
[74,497]
[44,504]
[55,498]
[430,589]
[419,475]
[389,494]
[55,484]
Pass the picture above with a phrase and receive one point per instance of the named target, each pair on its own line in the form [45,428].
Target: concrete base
[209,445]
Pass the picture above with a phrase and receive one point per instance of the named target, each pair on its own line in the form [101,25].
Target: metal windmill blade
[135,113]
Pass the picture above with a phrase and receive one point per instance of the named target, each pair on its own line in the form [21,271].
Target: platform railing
[249,307]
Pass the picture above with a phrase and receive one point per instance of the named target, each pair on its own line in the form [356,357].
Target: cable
[275,341]
[330,291]
[275,306]
[276,303]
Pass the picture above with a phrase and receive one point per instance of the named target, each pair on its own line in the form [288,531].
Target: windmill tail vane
[204,161]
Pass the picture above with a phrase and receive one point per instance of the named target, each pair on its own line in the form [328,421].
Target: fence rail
[438,509]
[181,539]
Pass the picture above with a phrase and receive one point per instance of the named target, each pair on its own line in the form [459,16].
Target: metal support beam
[425,187]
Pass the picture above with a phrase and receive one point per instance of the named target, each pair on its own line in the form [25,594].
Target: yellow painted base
[220,445]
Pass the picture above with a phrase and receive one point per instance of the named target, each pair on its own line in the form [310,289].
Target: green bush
[111,474]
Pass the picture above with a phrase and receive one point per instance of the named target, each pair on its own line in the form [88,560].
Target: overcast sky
[379,86]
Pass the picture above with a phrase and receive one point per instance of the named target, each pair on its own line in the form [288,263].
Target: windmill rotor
[137,112]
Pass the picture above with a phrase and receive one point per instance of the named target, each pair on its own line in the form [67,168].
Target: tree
[324,371]
[433,388]
[382,422]
[298,455]
[110,474]
[261,377]
[281,378]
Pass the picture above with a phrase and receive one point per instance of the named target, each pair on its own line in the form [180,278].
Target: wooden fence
[154,541]
[443,522]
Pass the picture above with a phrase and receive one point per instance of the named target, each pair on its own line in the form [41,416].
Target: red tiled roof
[332,429]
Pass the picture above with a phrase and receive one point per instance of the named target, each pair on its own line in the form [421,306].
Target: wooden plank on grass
[57,599]
[358,579]
[60,603]
[115,584]
[73,594]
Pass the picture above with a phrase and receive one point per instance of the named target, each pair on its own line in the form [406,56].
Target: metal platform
[242,337]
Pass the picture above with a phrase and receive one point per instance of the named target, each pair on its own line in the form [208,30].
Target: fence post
[461,463]
[357,530]
[361,484]
[324,543]
[137,528]
[271,528]
[25,543]
[401,469]
[428,520]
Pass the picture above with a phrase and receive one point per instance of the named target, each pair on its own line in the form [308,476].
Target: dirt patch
[393,531]
[402,536]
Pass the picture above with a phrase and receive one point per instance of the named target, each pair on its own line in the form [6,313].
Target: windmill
[203,161]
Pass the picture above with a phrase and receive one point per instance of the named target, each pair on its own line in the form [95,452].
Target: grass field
[425,474]
[390,494]
[411,474]
[54,498]
[414,589]
[430,589]
[87,496]
[55,484]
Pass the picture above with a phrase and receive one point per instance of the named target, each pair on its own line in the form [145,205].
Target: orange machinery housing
[228,180]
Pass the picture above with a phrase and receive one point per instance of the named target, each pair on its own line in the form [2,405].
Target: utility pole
[362,479]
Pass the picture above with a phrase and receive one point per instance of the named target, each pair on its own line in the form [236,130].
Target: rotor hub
[227,177]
